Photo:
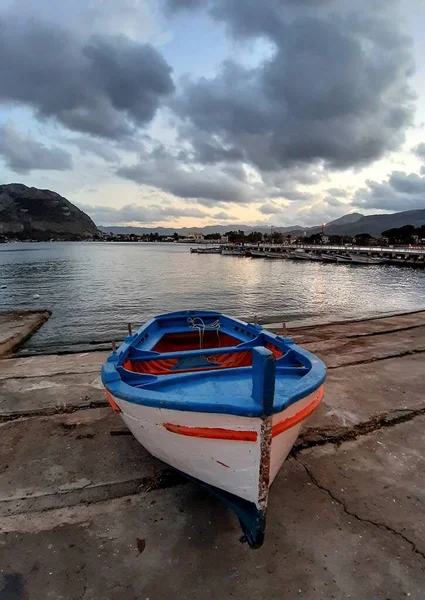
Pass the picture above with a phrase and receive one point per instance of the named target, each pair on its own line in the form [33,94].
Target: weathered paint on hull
[220,450]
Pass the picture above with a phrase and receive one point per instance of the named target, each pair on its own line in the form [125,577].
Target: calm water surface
[94,289]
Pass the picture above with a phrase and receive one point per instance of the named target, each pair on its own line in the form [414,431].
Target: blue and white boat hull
[221,450]
[226,417]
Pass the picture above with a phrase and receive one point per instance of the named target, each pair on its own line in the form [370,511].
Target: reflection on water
[94,289]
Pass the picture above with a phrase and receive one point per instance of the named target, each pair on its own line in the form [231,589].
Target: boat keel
[252,520]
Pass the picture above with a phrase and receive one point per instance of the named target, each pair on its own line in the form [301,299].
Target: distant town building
[196,236]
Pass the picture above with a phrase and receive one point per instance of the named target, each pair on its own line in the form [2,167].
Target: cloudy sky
[193,112]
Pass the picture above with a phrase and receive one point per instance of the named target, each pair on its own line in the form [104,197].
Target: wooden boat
[214,250]
[315,257]
[233,252]
[342,258]
[276,255]
[220,400]
[328,257]
[257,254]
[300,255]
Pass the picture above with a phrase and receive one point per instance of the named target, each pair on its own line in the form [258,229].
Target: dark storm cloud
[335,88]
[269,208]
[334,202]
[250,13]
[23,154]
[420,150]
[313,213]
[296,196]
[338,192]
[208,152]
[407,183]
[87,145]
[176,5]
[106,215]
[222,216]
[402,191]
[208,185]
[105,86]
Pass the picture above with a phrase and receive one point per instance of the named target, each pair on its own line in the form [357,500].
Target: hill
[376,224]
[30,213]
[350,224]
[347,219]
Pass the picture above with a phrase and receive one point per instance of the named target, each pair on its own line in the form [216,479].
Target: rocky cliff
[30,213]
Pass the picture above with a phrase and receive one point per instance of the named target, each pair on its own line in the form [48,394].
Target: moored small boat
[342,258]
[220,400]
[233,251]
[257,254]
[276,255]
[214,250]
[361,259]
[328,257]
[300,255]
[206,250]
[316,257]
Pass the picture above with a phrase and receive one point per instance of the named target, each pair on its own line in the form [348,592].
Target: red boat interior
[181,342]
[171,342]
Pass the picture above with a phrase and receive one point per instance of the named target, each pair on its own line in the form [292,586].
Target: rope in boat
[201,326]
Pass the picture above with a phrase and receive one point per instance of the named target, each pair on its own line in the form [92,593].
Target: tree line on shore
[406,235]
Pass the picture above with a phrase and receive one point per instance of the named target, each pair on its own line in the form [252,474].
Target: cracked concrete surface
[314,549]
[355,515]
[346,515]
[376,478]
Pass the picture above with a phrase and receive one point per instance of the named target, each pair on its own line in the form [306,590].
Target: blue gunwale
[140,388]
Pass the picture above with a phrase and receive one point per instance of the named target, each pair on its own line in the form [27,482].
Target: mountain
[27,212]
[376,224]
[346,219]
[349,224]
[333,226]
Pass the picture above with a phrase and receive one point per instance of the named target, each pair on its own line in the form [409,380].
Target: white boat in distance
[300,255]
[361,259]
[276,255]
[342,258]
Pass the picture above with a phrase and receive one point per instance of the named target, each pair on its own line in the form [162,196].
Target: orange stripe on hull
[299,416]
[212,433]
[217,433]
[112,402]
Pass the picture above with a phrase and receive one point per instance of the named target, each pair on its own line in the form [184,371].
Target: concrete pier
[18,326]
[407,256]
[86,512]
[405,252]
